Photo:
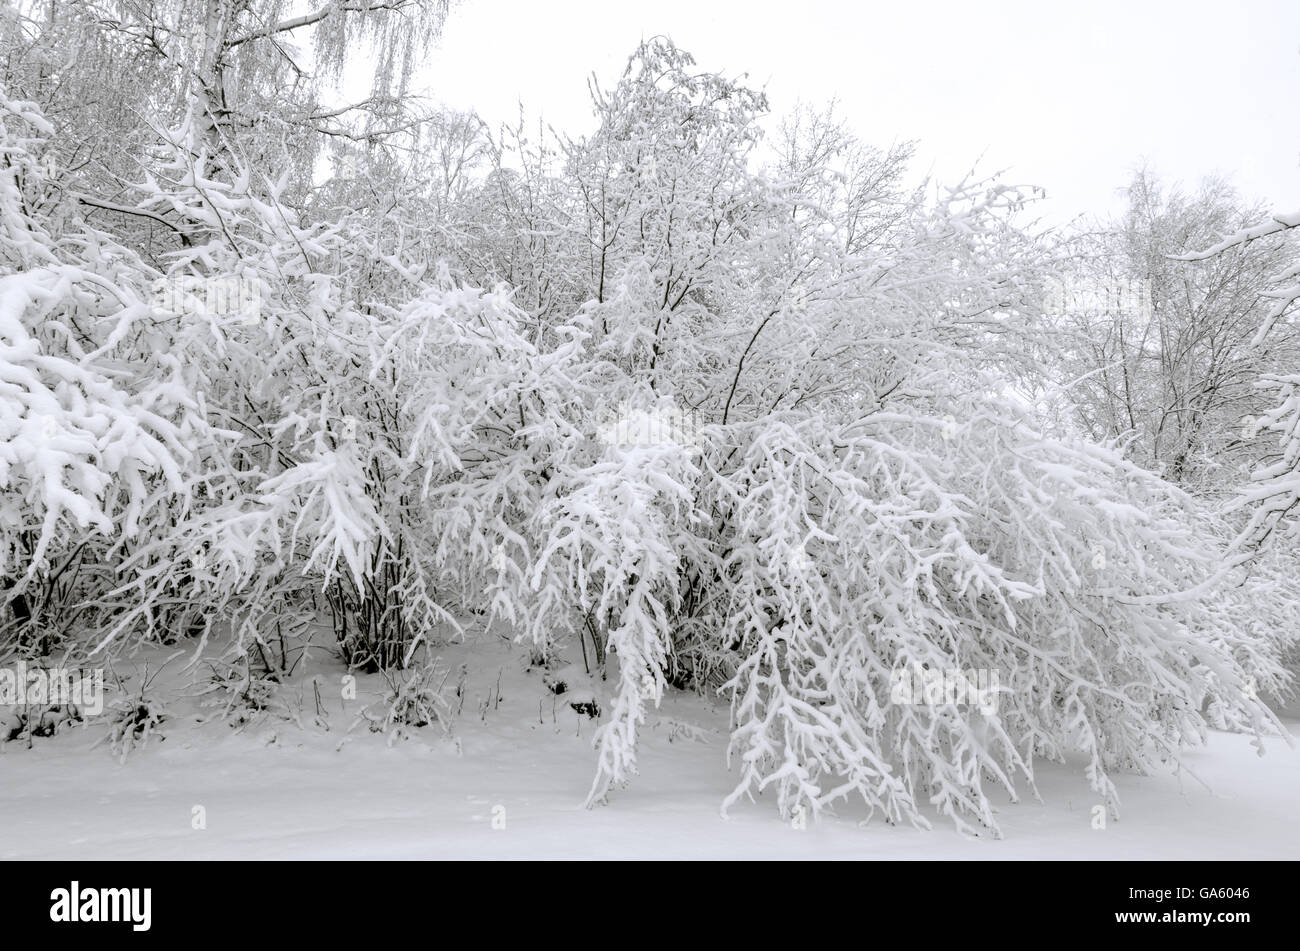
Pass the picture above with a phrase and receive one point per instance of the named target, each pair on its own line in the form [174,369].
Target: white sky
[1071,96]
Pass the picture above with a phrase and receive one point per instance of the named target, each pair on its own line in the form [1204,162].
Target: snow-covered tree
[1163,349]
[1272,498]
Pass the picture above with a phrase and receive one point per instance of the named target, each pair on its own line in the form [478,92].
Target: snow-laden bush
[857,553]
[414,699]
[823,561]
[90,447]
[1272,496]
[616,540]
[135,717]
[712,429]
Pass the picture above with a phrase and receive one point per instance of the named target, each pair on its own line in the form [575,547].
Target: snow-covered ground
[274,790]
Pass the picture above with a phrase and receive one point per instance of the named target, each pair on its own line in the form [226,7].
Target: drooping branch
[309,19]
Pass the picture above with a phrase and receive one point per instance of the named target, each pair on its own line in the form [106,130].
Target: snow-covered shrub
[858,551]
[90,452]
[46,710]
[1251,615]
[415,698]
[238,691]
[29,720]
[617,537]
[1272,496]
[135,717]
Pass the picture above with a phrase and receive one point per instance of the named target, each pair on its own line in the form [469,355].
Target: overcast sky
[1068,96]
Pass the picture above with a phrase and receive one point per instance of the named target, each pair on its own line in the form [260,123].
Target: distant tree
[1272,498]
[1165,348]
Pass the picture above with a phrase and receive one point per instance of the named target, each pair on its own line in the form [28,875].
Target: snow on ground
[276,791]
